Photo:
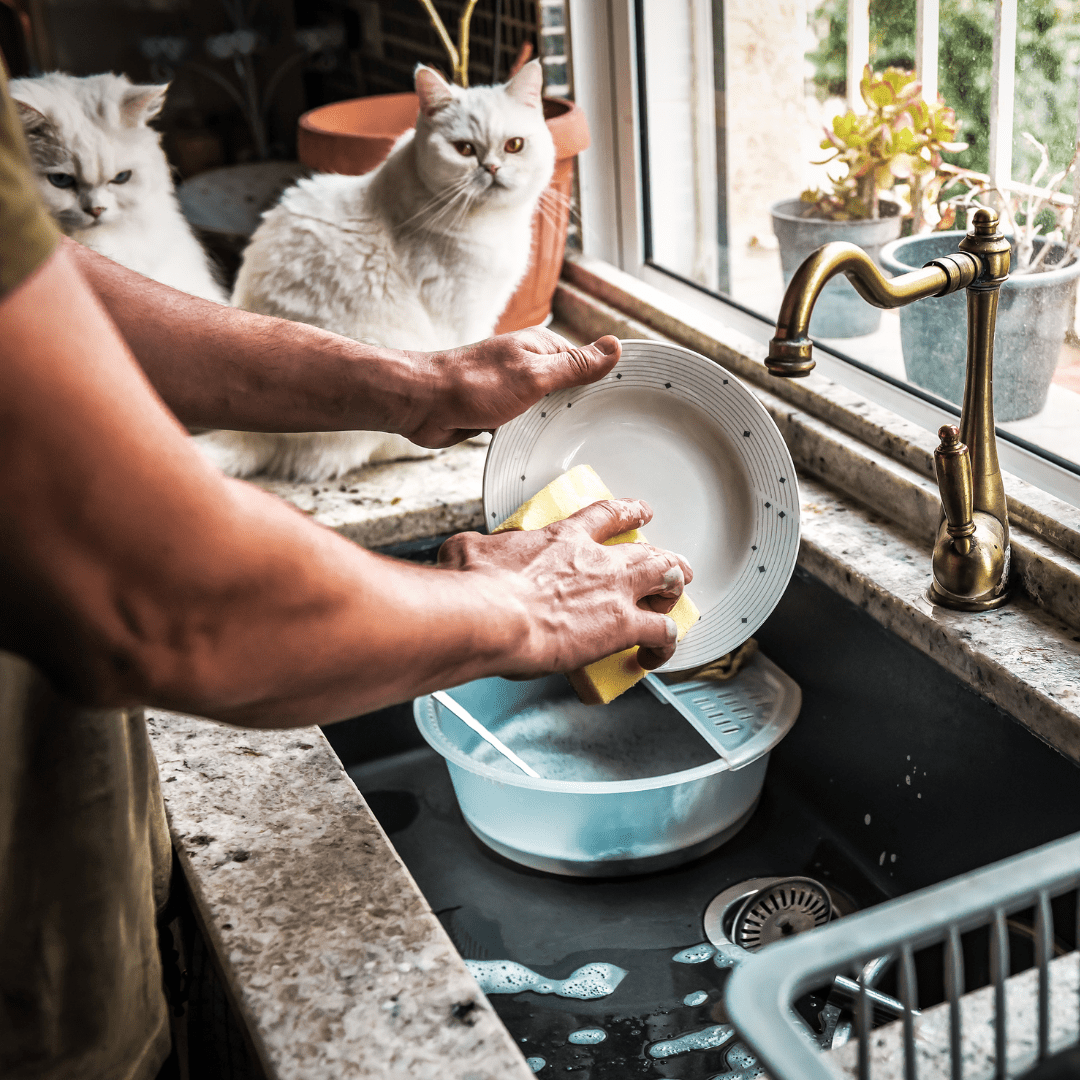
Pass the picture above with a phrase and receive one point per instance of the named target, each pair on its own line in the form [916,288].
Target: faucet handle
[952,461]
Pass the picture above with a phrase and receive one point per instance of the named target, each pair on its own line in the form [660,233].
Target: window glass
[736,99]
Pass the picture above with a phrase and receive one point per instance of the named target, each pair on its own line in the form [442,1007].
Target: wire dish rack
[998,1022]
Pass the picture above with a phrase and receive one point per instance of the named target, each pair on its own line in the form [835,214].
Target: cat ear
[42,138]
[434,91]
[528,84]
[33,122]
[140,104]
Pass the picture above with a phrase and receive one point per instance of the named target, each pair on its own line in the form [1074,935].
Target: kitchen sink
[895,776]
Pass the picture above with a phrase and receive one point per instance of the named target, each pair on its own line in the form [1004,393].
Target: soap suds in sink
[587,1036]
[695,954]
[508,977]
[707,1039]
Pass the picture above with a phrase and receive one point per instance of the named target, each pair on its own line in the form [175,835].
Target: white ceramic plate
[672,428]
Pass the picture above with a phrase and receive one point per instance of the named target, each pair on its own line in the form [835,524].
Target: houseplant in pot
[353,137]
[899,139]
[1034,309]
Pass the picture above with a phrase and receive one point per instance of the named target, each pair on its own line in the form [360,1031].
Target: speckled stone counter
[397,501]
[333,958]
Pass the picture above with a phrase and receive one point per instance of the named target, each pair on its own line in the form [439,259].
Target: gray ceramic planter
[1033,314]
[840,312]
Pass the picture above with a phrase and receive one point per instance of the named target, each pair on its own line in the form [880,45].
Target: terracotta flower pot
[352,137]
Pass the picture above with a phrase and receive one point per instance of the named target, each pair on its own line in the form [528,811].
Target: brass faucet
[971,553]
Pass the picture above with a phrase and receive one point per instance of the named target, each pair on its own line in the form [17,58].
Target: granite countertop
[334,959]
[397,501]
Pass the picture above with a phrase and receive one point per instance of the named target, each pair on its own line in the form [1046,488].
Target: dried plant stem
[458,54]
[463,42]
[916,198]
[444,36]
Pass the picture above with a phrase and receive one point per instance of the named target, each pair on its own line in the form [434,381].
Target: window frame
[608,81]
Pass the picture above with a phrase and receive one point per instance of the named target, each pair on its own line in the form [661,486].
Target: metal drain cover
[786,907]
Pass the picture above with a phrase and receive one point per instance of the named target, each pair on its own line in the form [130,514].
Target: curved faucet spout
[790,350]
[971,552]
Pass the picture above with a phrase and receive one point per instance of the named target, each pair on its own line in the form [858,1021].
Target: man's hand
[483,386]
[583,600]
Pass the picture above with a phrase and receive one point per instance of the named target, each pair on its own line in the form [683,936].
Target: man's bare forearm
[131,571]
[134,572]
[217,366]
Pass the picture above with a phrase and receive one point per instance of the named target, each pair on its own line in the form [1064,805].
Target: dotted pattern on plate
[756,589]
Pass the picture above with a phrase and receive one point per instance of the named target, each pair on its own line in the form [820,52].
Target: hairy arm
[218,366]
[134,573]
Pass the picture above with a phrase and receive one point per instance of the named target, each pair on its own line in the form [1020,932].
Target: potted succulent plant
[355,136]
[1034,308]
[899,139]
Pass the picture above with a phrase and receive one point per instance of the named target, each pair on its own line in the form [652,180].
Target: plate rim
[754,404]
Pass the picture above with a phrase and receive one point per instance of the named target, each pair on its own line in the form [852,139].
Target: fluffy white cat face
[94,156]
[485,145]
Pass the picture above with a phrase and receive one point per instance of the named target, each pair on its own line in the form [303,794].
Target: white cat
[105,178]
[422,253]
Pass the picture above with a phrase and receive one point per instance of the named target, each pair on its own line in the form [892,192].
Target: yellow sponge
[606,679]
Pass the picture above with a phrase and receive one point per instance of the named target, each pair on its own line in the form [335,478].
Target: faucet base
[959,603]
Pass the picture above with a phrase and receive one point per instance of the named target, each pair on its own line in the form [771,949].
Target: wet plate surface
[673,428]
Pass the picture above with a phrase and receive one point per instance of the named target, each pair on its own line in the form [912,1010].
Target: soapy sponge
[606,679]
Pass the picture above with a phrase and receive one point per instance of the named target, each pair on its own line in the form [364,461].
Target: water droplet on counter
[696,954]
[698,997]
[535,1063]
[587,1036]
[707,1039]
[507,977]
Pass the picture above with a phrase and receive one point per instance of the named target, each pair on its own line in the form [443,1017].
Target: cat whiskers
[446,197]
[446,221]
[552,202]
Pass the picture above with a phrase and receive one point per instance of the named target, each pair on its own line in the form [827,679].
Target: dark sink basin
[895,776]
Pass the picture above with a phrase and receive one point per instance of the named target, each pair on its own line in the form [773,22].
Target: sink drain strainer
[785,907]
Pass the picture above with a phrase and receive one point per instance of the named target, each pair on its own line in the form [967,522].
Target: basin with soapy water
[623,788]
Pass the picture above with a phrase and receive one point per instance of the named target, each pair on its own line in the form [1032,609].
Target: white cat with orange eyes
[422,253]
[104,177]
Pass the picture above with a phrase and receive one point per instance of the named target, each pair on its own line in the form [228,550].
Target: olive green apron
[84,860]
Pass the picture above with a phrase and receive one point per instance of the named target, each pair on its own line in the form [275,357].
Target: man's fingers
[674,559]
[453,552]
[576,365]
[657,637]
[658,602]
[655,570]
[590,363]
[609,517]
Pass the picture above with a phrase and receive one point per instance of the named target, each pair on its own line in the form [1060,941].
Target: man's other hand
[583,600]
[480,387]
